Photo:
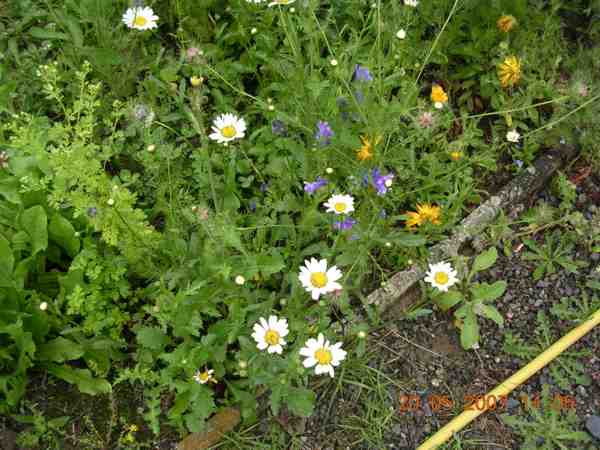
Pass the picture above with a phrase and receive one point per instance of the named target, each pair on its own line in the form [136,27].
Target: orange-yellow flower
[509,71]
[426,212]
[506,23]
[366,151]
[438,96]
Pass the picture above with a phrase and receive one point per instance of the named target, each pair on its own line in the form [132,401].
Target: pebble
[593,426]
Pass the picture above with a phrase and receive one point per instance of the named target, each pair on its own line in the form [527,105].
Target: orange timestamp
[480,402]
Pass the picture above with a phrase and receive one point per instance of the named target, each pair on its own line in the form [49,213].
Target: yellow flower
[366,151]
[509,71]
[438,95]
[196,81]
[455,155]
[506,23]
[426,212]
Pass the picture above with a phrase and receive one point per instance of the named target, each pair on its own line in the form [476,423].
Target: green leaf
[301,401]
[485,260]
[469,335]
[448,299]
[152,338]
[41,33]
[270,264]
[35,223]
[9,189]
[63,233]
[491,313]
[231,237]
[60,350]
[83,378]
[7,260]
[485,291]
[409,240]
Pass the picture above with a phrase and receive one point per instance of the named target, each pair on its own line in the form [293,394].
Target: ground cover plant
[196,197]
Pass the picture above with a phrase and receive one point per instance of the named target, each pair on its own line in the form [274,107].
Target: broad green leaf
[485,291]
[41,33]
[9,189]
[491,313]
[301,401]
[35,223]
[82,378]
[63,233]
[270,264]
[7,260]
[485,260]
[60,350]
[448,299]
[152,338]
[469,335]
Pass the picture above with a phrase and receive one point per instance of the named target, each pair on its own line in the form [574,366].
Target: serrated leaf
[301,401]
[491,313]
[82,378]
[35,222]
[152,338]
[485,260]
[485,291]
[59,350]
[448,299]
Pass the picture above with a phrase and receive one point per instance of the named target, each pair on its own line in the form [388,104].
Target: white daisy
[321,354]
[269,335]
[227,127]
[513,136]
[205,377]
[281,2]
[140,18]
[401,34]
[317,279]
[413,3]
[441,276]
[340,204]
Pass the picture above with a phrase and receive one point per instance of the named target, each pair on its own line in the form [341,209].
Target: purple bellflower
[311,188]
[324,133]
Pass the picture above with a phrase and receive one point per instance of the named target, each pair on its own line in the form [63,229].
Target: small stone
[593,426]
[512,403]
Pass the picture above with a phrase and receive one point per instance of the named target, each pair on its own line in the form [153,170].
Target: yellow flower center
[204,376]
[455,155]
[441,278]
[140,21]
[323,356]
[318,279]
[272,337]
[228,131]
[340,207]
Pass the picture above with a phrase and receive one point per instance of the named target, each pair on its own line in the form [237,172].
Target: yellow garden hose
[503,389]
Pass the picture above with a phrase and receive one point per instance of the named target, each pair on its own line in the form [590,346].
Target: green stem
[560,119]
[437,38]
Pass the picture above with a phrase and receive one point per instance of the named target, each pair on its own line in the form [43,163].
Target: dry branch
[520,188]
